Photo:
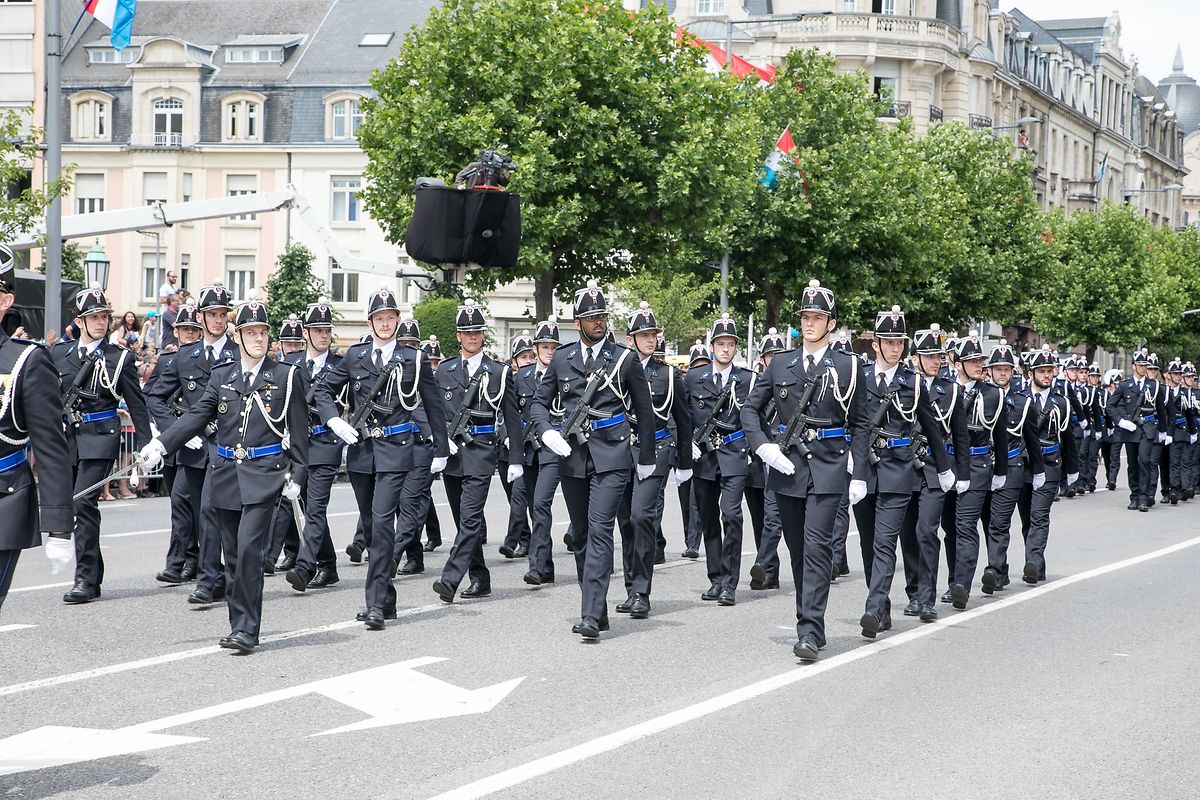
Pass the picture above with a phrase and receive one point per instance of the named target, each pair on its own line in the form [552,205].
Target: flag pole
[53,250]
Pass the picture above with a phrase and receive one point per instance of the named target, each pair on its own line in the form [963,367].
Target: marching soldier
[541,463]
[286,537]
[479,395]
[764,573]
[180,386]
[516,540]
[30,417]
[386,383]
[433,525]
[1136,407]
[899,405]
[1191,400]
[1179,423]
[97,376]
[316,560]
[262,443]
[721,454]
[1162,467]
[1091,399]
[987,429]
[419,483]
[1060,458]
[824,414]
[597,383]
[841,342]
[698,356]
[641,505]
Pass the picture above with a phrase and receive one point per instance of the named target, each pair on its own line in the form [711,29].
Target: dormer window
[343,116]
[241,117]
[91,117]
[106,55]
[254,55]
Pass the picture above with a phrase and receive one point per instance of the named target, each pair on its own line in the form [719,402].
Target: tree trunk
[1091,353]
[543,293]
[772,297]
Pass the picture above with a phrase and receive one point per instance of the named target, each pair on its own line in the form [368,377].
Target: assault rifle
[876,428]
[707,438]
[577,426]
[795,434]
[368,405]
[76,393]
[460,425]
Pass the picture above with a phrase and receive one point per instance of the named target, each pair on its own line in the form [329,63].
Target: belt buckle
[881,443]
[810,435]
[377,432]
[240,453]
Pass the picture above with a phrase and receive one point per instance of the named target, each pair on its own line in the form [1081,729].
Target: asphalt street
[1078,688]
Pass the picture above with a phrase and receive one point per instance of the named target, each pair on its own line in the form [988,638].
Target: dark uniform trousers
[385,501]
[1089,457]
[841,531]
[767,535]
[433,526]
[285,539]
[967,509]
[363,485]
[89,563]
[183,549]
[921,522]
[599,495]
[416,504]
[950,534]
[468,498]
[193,480]
[693,533]
[723,534]
[8,566]
[808,524]
[997,521]
[641,505]
[1144,457]
[541,482]
[880,516]
[1039,503]
[518,510]
[316,546]
[245,537]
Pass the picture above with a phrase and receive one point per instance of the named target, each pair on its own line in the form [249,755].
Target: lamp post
[1021,123]
[95,267]
[1127,194]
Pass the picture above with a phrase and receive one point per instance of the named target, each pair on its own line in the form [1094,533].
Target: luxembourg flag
[117,15]
[783,146]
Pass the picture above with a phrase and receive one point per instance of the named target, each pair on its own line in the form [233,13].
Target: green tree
[630,155]
[436,316]
[72,262]
[20,205]
[678,300]
[292,286]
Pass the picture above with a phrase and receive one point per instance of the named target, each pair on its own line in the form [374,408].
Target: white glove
[453,447]
[696,454]
[1098,435]
[194,443]
[59,552]
[682,476]
[1072,477]
[515,471]
[134,478]
[946,480]
[438,465]
[154,431]
[774,458]
[1126,425]
[152,454]
[962,486]
[1039,480]
[858,490]
[1083,424]
[1192,439]
[1164,438]
[998,482]
[557,444]
[291,489]
[644,471]
[342,430]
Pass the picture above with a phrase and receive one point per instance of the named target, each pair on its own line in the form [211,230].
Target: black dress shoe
[522,551]
[444,590]
[990,581]
[806,649]
[772,582]
[188,573]
[1143,507]
[285,563]
[691,552]
[374,619]
[240,641]
[431,546]
[81,592]
[389,612]
[1030,573]
[507,551]
[947,597]
[326,576]
[626,604]
[569,542]
[711,593]
[758,577]
[727,597]
[843,569]
[912,609]
[640,608]
[660,557]
[355,551]
[268,568]
[1112,487]
[886,623]
[201,596]
[870,625]
[587,627]
[169,576]
[1133,505]
[959,596]
[298,578]
[477,589]
[533,578]
[411,567]
[928,613]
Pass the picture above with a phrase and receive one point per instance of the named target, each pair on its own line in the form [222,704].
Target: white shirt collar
[318,361]
[816,354]
[253,370]
[646,361]
[386,349]
[473,363]
[88,349]
[596,348]
[724,373]
[889,374]
[217,346]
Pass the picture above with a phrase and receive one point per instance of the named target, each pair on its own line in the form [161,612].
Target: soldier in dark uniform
[1136,407]
[541,463]
[1060,456]
[316,560]
[181,386]
[30,417]
[841,342]
[987,429]
[641,505]
[764,513]
[262,445]
[433,525]
[1026,467]
[96,376]
[1112,443]
[809,481]
[1174,402]
[698,357]
[419,482]
[1091,398]
[594,465]
[479,393]
[1191,402]
[516,540]
[286,537]
[899,405]
[387,381]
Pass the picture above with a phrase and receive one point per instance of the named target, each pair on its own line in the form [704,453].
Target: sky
[1150,29]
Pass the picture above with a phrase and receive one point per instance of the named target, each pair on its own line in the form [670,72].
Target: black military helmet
[643,319]
[890,324]
[291,330]
[470,318]
[214,297]
[842,342]
[771,343]
[431,348]
[1002,356]
[660,345]
[929,341]
[546,331]
[409,330]
[1175,366]
[968,348]
[187,317]
[7,262]
[520,343]
[382,300]
[91,301]
[252,312]
[817,298]
[723,326]
[589,301]
[319,314]
[1189,370]
[1141,357]
[1152,362]
[1093,369]
[698,352]
[1043,358]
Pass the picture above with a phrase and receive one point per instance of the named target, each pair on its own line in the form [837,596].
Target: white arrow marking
[392,694]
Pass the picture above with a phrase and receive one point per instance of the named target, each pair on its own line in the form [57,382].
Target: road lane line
[612,741]
[40,587]
[7,628]
[183,655]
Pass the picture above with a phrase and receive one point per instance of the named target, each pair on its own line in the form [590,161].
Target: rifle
[707,438]
[76,393]
[795,434]
[175,404]
[460,425]
[578,424]
[876,428]
[369,404]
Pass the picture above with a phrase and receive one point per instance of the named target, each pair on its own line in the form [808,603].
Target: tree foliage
[21,206]
[436,316]
[292,286]
[678,299]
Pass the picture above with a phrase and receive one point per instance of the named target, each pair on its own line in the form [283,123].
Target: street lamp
[1022,122]
[95,267]
[1170,187]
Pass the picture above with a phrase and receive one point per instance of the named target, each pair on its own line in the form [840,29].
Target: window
[376,40]
[710,6]
[343,285]
[154,187]
[90,117]
[347,117]
[152,278]
[185,265]
[168,122]
[254,55]
[105,55]
[241,118]
[239,275]
[885,89]
[89,192]
[850,5]
[236,185]
[345,198]
[185,190]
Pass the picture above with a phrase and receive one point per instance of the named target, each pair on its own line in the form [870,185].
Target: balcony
[978,122]
[935,114]
[162,140]
[897,110]
[893,35]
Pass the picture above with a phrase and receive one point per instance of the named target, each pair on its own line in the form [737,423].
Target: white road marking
[7,628]
[612,741]
[40,587]
[183,655]
[107,536]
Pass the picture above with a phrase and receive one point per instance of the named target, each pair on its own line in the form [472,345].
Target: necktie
[82,354]
[720,380]
[811,363]
[378,359]
[882,384]
[309,365]
[1040,405]
[208,354]
[246,378]
[539,373]
[588,361]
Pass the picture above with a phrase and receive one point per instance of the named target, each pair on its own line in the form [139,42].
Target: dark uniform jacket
[31,414]
[607,448]
[908,408]
[945,396]
[839,402]
[733,456]
[247,422]
[96,431]
[494,402]
[1060,450]
[179,385]
[1024,448]
[526,387]
[324,446]
[987,426]
[672,417]
[388,435]
[1144,407]
[1178,413]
